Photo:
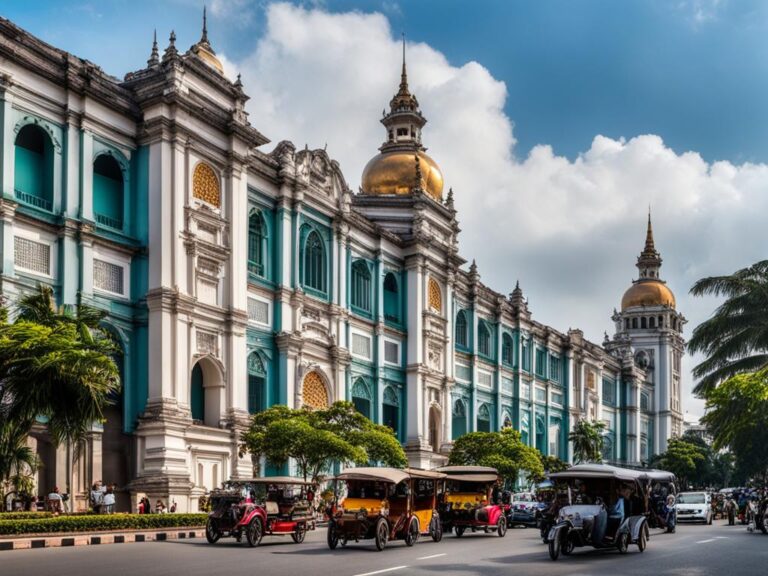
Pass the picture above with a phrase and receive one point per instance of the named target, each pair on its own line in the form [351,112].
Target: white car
[694,507]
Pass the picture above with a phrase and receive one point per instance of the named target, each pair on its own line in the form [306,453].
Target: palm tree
[587,440]
[18,462]
[735,339]
[69,358]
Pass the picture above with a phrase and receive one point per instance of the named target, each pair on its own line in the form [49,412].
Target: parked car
[468,501]
[524,509]
[274,506]
[383,504]
[592,518]
[694,507]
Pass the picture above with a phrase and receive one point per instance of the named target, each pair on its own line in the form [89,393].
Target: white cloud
[569,230]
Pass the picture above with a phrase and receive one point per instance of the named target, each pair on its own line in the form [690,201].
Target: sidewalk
[20,542]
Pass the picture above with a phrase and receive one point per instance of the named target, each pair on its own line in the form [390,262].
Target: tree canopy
[587,440]
[502,450]
[315,439]
[682,458]
[737,418]
[735,339]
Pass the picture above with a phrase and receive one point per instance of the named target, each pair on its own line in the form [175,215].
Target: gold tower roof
[204,50]
[648,293]
[395,173]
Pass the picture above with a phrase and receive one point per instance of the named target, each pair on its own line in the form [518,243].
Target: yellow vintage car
[384,504]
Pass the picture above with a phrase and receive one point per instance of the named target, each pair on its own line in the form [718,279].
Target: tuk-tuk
[275,506]
[468,500]
[607,509]
[662,494]
[385,504]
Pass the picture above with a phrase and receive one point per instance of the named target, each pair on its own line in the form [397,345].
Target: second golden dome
[395,173]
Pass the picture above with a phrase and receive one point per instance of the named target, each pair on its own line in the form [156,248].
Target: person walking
[160,507]
[97,497]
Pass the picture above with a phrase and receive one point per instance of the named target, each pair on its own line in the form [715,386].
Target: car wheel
[300,533]
[436,528]
[211,532]
[253,533]
[642,540]
[567,546]
[623,542]
[501,527]
[554,548]
[382,534]
[413,532]
[460,531]
[333,536]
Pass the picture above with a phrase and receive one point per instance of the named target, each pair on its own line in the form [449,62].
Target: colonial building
[236,279]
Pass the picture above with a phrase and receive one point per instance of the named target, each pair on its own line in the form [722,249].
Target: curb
[97,539]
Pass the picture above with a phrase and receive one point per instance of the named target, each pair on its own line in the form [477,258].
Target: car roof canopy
[586,471]
[290,480]
[470,473]
[660,476]
[393,475]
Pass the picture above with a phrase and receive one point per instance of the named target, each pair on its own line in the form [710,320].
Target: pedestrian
[146,506]
[108,506]
[55,501]
[173,507]
[97,497]
[160,507]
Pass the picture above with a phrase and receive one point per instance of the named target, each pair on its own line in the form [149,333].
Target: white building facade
[236,279]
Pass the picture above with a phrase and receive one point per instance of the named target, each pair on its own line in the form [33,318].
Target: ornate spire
[649,246]
[404,74]
[649,260]
[204,37]
[171,51]
[204,49]
[404,101]
[154,57]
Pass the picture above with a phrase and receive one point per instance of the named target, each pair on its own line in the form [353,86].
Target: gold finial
[649,245]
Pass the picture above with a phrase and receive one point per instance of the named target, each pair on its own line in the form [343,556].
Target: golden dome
[648,293]
[209,58]
[395,173]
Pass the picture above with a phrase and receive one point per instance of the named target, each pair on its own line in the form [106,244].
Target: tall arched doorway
[459,419]
[434,428]
[205,391]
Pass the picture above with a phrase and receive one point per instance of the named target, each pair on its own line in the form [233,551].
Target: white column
[86,183]
[415,405]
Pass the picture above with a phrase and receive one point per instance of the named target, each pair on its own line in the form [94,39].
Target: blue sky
[693,72]
[557,123]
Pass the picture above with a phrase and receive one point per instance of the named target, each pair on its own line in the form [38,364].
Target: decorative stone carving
[205,185]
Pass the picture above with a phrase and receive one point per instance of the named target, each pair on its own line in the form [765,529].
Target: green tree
[18,462]
[502,450]
[551,464]
[735,339]
[587,440]
[56,365]
[315,439]
[737,418]
[681,458]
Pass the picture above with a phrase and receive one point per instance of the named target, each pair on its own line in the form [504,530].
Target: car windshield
[523,498]
[691,499]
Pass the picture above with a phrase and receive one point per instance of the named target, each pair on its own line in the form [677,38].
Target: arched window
[643,323]
[483,339]
[626,323]
[257,376]
[314,393]
[257,244]
[483,418]
[525,428]
[314,263]
[608,447]
[461,329]
[361,397]
[459,419]
[435,296]
[361,286]
[634,323]
[197,395]
[526,355]
[108,192]
[507,349]
[205,185]
[651,322]
[391,298]
[554,437]
[644,402]
[391,410]
[540,434]
[33,167]
[434,429]
[661,321]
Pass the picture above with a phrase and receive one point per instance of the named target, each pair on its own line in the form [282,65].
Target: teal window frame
[526,354]
[257,384]
[33,168]
[484,339]
[109,192]
[362,397]
[462,330]
[392,302]
[554,368]
[541,362]
[258,244]
[197,394]
[361,287]
[458,419]
[314,259]
[391,410]
[609,392]
[507,349]
[484,420]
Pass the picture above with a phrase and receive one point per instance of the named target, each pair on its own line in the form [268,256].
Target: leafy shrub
[5,516]
[100,522]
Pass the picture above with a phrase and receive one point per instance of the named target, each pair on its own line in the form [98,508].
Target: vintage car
[524,509]
[275,506]
[384,504]
[467,500]
[662,494]
[607,510]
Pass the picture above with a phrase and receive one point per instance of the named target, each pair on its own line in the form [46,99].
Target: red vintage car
[275,506]
[466,501]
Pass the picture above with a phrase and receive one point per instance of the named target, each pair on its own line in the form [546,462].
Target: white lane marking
[433,556]
[705,541]
[722,537]
[382,571]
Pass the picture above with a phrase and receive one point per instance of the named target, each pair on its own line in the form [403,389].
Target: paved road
[717,550]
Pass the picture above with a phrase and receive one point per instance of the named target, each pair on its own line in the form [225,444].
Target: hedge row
[5,516]
[100,522]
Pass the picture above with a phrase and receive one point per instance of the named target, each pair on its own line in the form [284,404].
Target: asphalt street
[717,550]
